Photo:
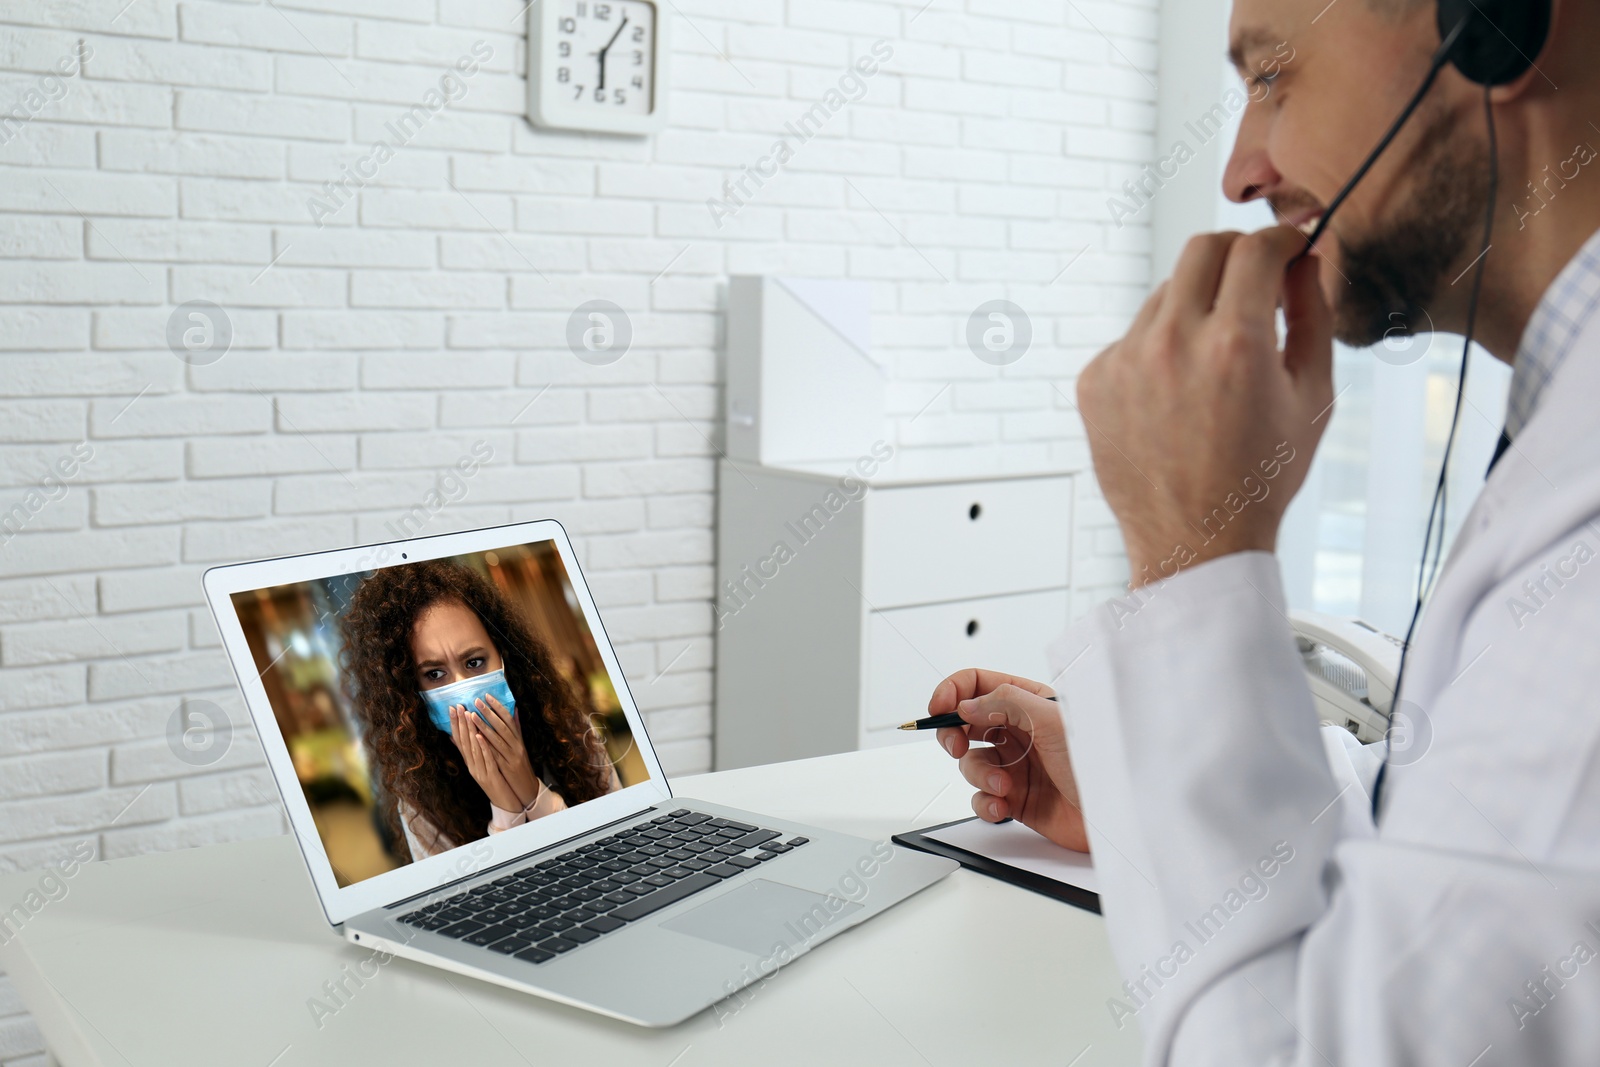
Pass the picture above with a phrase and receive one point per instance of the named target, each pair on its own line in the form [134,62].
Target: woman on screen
[470,727]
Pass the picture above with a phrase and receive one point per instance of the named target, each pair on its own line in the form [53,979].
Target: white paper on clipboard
[1015,845]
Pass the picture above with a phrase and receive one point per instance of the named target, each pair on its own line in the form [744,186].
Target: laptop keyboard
[542,911]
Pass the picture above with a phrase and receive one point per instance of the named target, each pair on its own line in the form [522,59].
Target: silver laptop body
[636,905]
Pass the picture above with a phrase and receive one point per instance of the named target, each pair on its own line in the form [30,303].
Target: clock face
[601,57]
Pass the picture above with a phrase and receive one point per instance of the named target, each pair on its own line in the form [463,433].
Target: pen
[939,722]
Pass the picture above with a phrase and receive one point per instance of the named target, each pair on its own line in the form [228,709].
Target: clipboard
[1077,896]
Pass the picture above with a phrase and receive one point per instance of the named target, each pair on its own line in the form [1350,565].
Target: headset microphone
[1490,42]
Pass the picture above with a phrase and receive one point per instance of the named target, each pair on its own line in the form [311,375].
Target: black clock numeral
[583,8]
[617,97]
[569,25]
[599,96]
[564,49]
[602,12]
[638,81]
[638,33]
[563,75]
[638,59]
[577,92]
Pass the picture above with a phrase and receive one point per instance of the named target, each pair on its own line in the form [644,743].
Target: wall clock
[597,65]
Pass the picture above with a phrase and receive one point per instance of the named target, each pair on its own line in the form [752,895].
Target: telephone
[1352,666]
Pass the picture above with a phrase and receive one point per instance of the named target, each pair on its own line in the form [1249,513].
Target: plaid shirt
[1562,312]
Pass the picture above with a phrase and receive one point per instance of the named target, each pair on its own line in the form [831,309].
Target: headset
[1490,42]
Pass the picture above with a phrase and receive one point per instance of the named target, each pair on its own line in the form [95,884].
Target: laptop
[472,785]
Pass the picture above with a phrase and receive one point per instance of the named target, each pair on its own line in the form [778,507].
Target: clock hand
[607,48]
[614,36]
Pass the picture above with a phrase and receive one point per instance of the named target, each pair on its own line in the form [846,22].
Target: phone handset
[1351,665]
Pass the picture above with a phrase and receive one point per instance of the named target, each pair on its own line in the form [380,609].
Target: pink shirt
[425,839]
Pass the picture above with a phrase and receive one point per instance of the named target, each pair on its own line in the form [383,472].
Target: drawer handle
[974,511]
[972,627]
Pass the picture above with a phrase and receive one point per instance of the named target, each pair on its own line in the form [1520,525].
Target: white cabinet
[842,601]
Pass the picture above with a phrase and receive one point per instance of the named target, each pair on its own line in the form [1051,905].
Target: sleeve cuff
[1197,588]
[547,802]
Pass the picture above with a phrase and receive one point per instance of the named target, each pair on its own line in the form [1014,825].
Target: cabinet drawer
[910,650]
[928,543]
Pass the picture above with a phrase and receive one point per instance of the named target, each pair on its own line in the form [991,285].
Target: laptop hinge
[517,860]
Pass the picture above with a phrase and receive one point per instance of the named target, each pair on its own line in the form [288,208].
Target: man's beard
[1395,274]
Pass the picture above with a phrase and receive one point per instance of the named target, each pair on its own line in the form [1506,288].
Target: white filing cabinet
[840,605]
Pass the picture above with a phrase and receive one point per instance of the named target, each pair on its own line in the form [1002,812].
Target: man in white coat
[1258,910]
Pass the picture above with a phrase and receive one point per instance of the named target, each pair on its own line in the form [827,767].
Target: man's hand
[1027,775]
[1201,427]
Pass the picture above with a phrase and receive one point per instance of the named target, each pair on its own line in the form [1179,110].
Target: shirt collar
[1562,313]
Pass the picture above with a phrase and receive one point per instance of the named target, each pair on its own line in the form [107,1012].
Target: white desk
[208,956]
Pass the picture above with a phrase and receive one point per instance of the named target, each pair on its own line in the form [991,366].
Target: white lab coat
[1465,930]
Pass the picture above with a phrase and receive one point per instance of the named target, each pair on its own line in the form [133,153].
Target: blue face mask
[439,701]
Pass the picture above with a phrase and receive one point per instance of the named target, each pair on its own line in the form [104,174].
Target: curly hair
[381,681]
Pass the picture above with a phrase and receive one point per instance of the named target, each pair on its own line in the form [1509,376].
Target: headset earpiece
[1501,38]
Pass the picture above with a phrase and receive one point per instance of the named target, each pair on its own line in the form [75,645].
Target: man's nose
[1250,174]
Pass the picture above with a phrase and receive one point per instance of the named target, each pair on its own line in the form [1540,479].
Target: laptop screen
[428,705]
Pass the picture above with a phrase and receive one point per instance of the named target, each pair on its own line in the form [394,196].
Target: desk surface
[211,956]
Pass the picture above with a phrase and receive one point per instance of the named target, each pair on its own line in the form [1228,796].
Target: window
[1352,540]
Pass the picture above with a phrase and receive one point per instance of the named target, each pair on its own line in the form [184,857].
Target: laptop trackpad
[759,915]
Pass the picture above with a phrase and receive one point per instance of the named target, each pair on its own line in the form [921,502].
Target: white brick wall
[431,308]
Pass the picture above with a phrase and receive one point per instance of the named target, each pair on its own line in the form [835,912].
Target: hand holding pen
[939,722]
[1027,773]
